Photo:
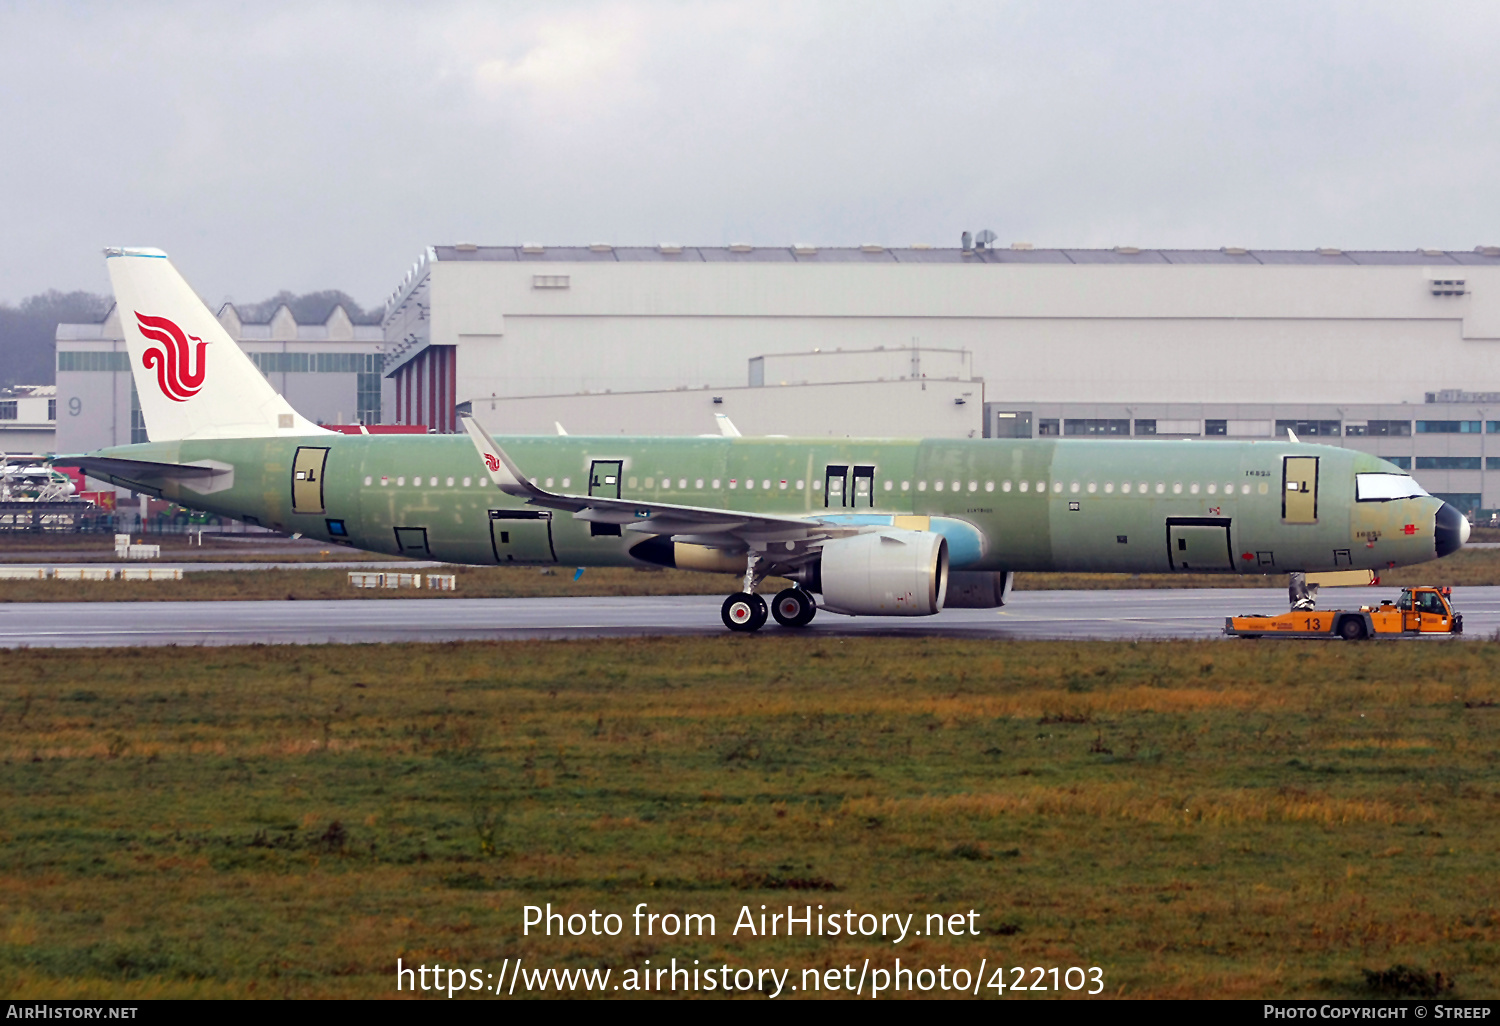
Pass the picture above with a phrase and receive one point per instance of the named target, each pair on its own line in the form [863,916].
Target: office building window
[1092,426]
[1308,428]
[1216,427]
[7,409]
[1383,428]
[1048,426]
[1404,462]
[1448,427]
[1447,462]
[137,419]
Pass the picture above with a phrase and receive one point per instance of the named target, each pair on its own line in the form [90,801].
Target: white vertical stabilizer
[194,381]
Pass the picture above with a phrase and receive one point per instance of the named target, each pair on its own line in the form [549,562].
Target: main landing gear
[746,611]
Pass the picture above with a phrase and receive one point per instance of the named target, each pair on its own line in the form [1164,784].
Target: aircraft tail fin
[193,380]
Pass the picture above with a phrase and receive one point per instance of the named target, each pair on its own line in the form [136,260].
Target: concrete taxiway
[1060,615]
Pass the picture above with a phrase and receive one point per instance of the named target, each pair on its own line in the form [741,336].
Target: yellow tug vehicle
[1419,612]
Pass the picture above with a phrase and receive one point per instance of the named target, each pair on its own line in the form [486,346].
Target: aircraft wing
[701,524]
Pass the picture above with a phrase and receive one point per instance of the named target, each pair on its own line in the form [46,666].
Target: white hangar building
[1394,352]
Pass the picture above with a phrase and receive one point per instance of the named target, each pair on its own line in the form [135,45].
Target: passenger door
[1199,545]
[522,535]
[1299,489]
[307,479]
[604,478]
[835,480]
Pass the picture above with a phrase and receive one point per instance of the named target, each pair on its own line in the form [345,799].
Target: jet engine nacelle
[885,573]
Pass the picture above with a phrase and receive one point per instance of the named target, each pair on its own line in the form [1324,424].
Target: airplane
[862,527]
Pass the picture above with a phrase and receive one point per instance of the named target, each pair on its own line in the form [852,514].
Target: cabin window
[369,481]
[888,485]
[921,486]
[468,481]
[716,482]
[733,483]
[400,482]
[1109,487]
[1024,485]
[567,482]
[1093,488]
[384,481]
[1193,488]
[765,484]
[1177,488]
[650,482]
[955,486]
[631,482]
[905,485]
[1212,488]
[1073,488]
[937,486]
[483,481]
[989,486]
[1057,487]
[1005,486]
[697,484]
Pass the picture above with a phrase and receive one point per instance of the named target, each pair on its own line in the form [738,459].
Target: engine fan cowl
[885,573]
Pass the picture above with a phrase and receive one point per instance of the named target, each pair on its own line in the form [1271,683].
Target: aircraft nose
[1451,530]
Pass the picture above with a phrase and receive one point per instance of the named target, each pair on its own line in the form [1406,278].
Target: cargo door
[604,478]
[1199,545]
[1299,489]
[307,479]
[522,535]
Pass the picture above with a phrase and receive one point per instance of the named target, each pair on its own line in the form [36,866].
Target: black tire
[743,612]
[793,608]
[1352,628]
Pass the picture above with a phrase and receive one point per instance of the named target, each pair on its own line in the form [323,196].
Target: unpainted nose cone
[1450,530]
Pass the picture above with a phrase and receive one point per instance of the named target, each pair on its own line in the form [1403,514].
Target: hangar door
[1199,545]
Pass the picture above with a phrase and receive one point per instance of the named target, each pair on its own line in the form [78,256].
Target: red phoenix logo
[491,461]
[173,361]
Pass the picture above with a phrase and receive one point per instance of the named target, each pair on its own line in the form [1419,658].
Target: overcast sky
[322,145]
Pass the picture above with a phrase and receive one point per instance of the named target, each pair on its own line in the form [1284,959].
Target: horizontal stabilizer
[204,476]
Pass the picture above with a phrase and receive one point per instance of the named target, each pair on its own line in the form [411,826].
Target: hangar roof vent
[600,247]
[1330,251]
[1233,250]
[804,249]
[871,247]
[669,248]
[1488,250]
[1128,250]
[1022,245]
[466,247]
[1431,252]
[741,247]
[533,247]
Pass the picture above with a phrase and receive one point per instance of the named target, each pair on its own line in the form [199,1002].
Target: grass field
[1469,568]
[1195,819]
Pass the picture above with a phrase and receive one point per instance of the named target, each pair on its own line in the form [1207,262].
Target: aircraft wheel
[744,612]
[793,608]
[1352,629]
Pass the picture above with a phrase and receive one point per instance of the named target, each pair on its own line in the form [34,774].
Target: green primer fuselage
[1220,503]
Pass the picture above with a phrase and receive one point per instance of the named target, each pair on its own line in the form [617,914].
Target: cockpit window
[1385,487]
